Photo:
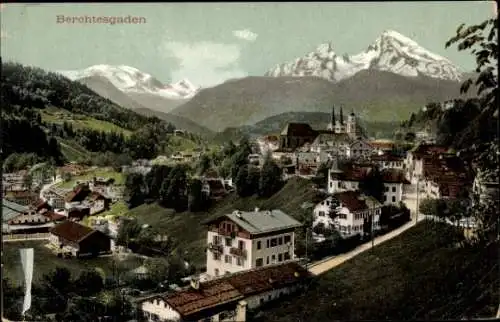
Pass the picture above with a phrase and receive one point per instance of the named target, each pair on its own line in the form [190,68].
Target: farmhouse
[227,298]
[79,240]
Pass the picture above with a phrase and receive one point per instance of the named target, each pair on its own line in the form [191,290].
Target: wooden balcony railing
[216,248]
[238,252]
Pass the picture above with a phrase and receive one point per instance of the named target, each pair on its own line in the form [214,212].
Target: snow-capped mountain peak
[130,79]
[391,51]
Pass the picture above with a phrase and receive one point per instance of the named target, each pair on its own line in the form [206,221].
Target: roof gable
[72,231]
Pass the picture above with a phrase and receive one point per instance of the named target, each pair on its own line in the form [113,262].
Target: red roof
[351,200]
[78,194]
[234,287]
[352,173]
[71,231]
[381,145]
[424,149]
[53,216]
[299,129]
[394,176]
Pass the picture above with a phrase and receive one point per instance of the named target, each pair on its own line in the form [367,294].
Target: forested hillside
[26,92]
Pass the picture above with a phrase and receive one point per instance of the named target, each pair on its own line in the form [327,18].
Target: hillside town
[210,164]
[244,247]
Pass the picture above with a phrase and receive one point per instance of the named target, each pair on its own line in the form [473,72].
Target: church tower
[331,125]
[341,116]
[351,127]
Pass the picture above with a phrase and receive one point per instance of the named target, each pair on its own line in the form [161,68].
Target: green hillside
[423,274]
[189,232]
[55,118]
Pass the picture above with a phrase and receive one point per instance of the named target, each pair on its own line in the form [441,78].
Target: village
[250,255]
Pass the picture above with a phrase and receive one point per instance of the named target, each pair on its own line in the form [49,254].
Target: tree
[241,181]
[196,199]
[28,181]
[478,143]
[373,184]
[270,180]
[89,283]
[66,176]
[204,164]
[134,190]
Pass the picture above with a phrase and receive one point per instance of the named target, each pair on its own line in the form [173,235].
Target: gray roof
[11,209]
[258,222]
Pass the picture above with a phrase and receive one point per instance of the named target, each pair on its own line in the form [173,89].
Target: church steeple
[341,116]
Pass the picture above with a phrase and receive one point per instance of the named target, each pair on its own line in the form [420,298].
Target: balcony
[238,252]
[227,233]
[216,248]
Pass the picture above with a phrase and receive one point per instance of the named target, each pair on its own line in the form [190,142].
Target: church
[295,135]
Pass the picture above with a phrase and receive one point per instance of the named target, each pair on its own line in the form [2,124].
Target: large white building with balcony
[245,240]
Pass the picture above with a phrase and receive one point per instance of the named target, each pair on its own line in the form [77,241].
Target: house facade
[244,240]
[349,179]
[349,212]
[227,298]
[359,149]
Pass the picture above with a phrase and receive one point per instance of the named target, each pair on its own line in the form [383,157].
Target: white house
[351,213]
[322,210]
[227,298]
[359,149]
[348,180]
[388,161]
[244,240]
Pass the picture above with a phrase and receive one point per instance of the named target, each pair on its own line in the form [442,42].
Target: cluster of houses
[250,261]
[143,166]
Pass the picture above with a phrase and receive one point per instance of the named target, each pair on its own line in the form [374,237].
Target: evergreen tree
[270,178]
[134,190]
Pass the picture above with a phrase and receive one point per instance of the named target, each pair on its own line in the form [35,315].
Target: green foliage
[20,161]
[270,178]
[89,282]
[134,190]
[373,184]
[420,270]
[197,200]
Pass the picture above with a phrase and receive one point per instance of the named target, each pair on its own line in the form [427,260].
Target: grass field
[101,172]
[187,227]
[71,150]
[58,116]
[420,275]
[45,261]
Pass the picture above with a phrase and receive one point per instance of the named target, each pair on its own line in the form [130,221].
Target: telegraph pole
[418,192]
[307,258]
[373,219]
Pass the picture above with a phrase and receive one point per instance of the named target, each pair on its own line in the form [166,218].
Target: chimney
[241,311]
[195,283]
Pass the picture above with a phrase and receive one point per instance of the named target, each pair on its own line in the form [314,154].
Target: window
[274,242]
[288,239]
[321,213]
[331,184]
[393,189]
[268,244]
[287,255]
[259,244]
[385,198]
[338,184]
[239,261]
[393,199]
[280,257]
[227,259]
[386,189]
[259,262]
[216,240]
[216,256]
[227,273]
[261,301]
[216,272]
[280,240]
[267,260]
[241,244]
[327,203]
[273,259]
[229,242]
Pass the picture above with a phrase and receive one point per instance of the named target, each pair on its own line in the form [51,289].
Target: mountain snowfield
[132,80]
[390,52]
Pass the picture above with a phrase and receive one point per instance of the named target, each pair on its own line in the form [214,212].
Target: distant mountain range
[131,80]
[138,91]
[393,77]
[390,52]
[372,94]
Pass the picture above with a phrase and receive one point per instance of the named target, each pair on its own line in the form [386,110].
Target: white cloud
[204,63]
[245,34]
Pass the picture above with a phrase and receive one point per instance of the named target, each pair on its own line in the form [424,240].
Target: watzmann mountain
[390,52]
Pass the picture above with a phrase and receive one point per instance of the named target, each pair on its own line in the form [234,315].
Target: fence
[20,237]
